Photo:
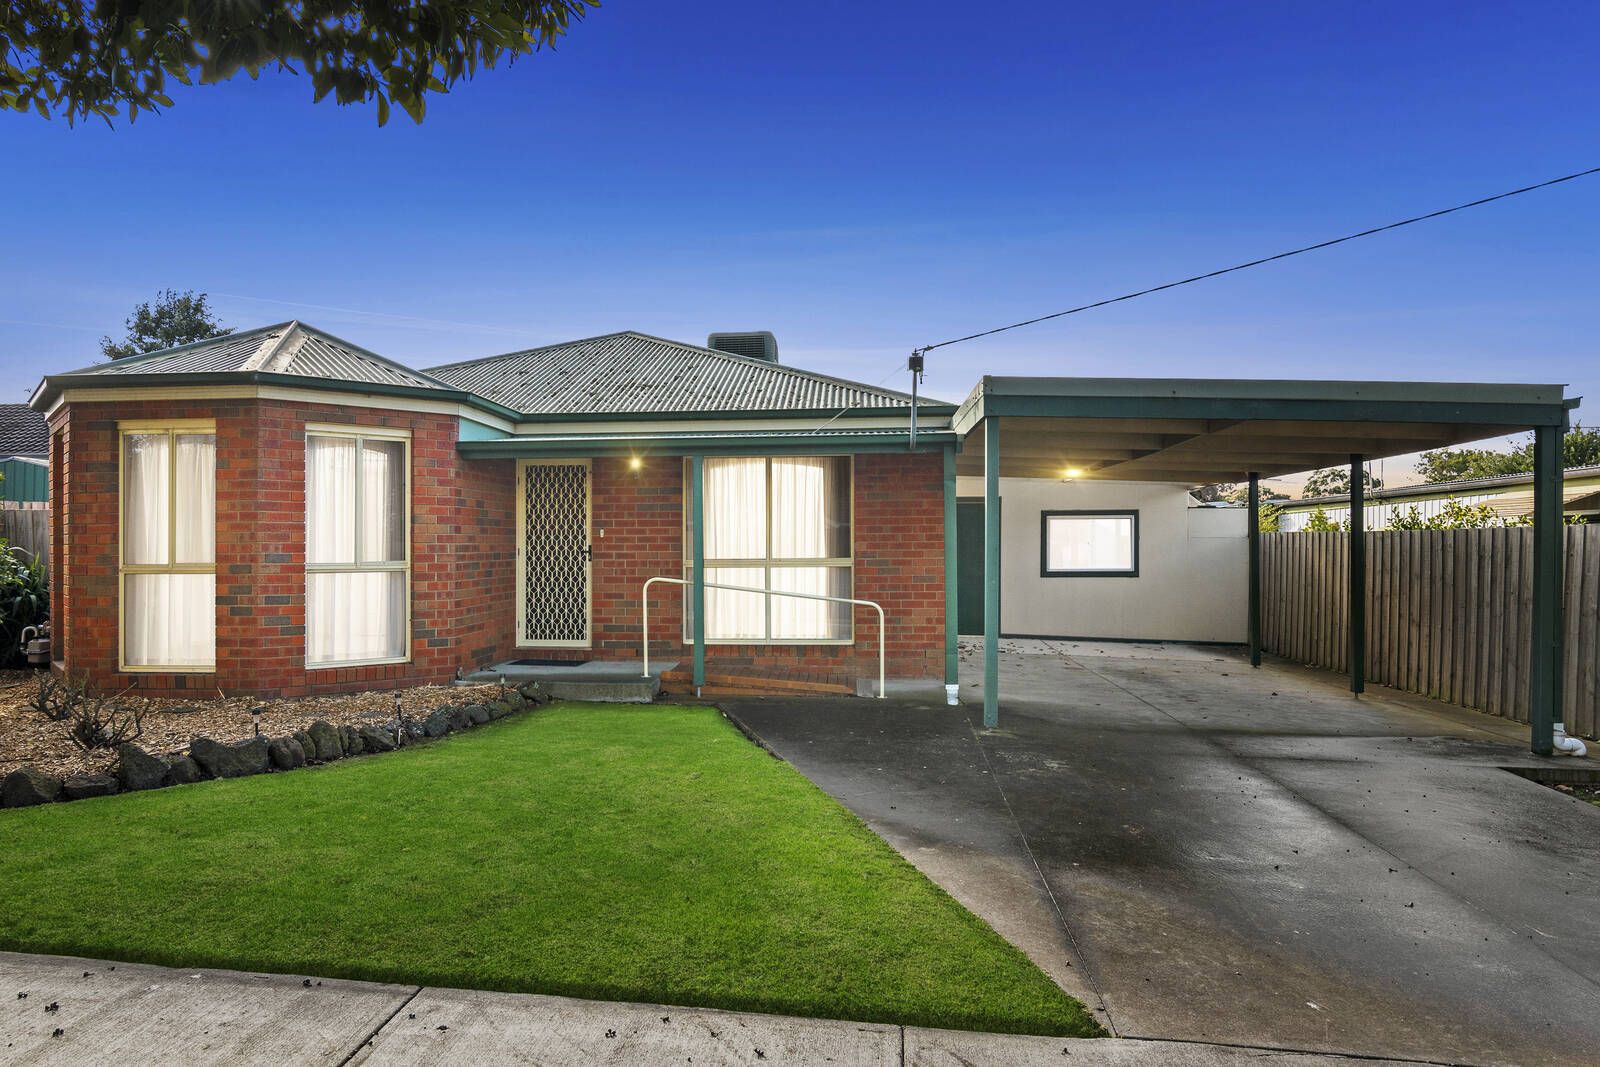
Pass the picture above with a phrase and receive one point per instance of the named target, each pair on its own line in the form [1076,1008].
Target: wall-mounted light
[635,463]
[1069,473]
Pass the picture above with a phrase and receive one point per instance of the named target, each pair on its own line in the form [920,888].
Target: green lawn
[646,854]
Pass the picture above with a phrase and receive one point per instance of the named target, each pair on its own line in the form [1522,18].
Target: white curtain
[169,620]
[809,519]
[145,507]
[354,615]
[330,500]
[1090,543]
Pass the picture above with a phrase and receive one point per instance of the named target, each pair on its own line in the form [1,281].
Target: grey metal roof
[23,431]
[289,348]
[631,373]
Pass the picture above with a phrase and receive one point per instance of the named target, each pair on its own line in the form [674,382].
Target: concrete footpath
[68,1011]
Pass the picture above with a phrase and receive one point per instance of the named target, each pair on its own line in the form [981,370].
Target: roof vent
[752,344]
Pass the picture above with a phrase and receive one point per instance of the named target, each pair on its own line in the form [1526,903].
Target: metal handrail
[645,598]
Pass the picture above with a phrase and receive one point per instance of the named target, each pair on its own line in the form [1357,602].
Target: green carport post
[991,572]
[1253,524]
[1357,592]
[951,667]
[697,492]
[1549,542]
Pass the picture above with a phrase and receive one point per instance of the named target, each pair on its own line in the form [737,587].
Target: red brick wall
[899,562]
[463,556]
[461,536]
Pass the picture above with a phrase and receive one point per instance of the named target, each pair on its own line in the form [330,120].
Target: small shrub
[93,722]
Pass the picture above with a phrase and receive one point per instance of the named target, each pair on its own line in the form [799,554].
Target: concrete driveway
[1206,852]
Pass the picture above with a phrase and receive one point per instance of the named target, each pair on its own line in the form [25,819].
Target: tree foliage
[173,318]
[1234,493]
[79,58]
[1579,448]
[1335,481]
[1318,522]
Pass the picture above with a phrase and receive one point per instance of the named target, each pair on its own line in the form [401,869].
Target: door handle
[588,553]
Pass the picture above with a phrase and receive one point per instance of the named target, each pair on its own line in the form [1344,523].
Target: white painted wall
[1193,565]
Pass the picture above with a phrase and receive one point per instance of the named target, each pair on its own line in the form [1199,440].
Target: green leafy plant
[24,598]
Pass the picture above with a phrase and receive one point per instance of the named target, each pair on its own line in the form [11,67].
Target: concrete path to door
[1206,852]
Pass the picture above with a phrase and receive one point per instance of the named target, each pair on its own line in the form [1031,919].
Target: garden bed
[28,738]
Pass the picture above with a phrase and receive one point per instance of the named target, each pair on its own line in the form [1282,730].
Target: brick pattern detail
[463,533]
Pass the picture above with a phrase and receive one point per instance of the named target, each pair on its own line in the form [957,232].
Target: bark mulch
[26,737]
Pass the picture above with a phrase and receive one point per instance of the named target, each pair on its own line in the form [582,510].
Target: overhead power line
[1265,259]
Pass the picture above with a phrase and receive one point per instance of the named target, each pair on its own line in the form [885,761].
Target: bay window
[778,523]
[358,547]
[168,546]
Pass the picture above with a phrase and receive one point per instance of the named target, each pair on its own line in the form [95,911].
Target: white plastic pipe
[1570,746]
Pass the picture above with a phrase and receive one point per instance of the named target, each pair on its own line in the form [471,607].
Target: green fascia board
[1515,409]
[708,414]
[729,444]
[473,430]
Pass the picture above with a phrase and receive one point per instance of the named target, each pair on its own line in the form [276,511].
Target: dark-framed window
[1089,544]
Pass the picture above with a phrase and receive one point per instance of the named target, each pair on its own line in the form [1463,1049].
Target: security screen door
[554,563]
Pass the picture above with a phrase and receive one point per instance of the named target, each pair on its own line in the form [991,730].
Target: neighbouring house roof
[23,431]
[1491,485]
[288,352]
[630,373]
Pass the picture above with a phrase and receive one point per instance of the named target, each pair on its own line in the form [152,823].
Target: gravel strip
[26,737]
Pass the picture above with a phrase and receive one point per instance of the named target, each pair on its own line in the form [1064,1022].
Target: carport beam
[991,572]
[1254,526]
[697,506]
[1357,593]
[951,583]
[1549,542]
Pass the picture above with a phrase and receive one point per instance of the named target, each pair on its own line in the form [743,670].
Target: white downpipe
[874,605]
[1570,746]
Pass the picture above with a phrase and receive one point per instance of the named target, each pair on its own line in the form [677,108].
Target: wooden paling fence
[27,528]
[1448,613]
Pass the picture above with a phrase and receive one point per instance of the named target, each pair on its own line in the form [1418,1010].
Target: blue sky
[864,178]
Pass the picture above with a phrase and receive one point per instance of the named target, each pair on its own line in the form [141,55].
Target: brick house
[281,512]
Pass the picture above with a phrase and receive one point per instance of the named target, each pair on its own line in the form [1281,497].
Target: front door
[553,566]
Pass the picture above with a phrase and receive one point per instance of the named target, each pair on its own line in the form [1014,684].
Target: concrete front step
[612,681]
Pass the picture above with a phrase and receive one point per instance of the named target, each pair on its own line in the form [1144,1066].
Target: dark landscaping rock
[27,786]
[437,724]
[237,760]
[83,786]
[325,740]
[181,770]
[532,692]
[308,747]
[351,738]
[375,739]
[477,713]
[457,715]
[137,769]
[503,707]
[286,753]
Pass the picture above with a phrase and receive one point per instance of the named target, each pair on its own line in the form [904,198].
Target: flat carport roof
[1199,431]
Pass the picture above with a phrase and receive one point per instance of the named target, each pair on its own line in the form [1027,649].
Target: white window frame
[173,428]
[768,565]
[358,434]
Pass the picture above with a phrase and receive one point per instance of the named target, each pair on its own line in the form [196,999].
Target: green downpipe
[697,490]
[991,572]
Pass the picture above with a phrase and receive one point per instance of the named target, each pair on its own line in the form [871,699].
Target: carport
[1198,432]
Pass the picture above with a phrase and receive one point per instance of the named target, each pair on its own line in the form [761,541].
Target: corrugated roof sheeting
[318,357]
[219,354]
[631,373]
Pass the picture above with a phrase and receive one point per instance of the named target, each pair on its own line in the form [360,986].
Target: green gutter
[797,443]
